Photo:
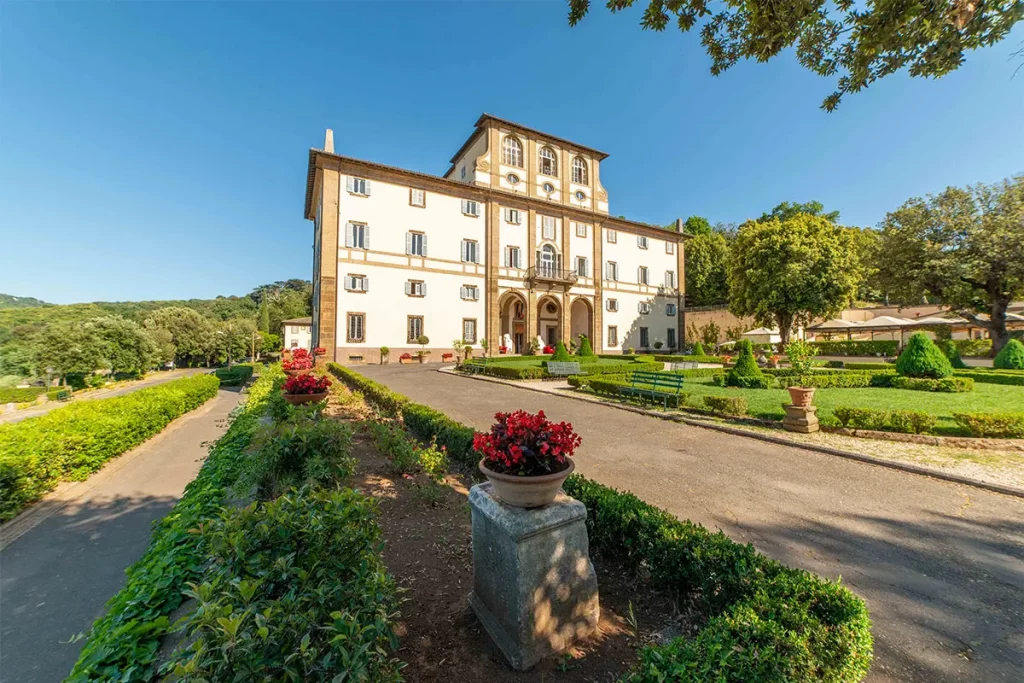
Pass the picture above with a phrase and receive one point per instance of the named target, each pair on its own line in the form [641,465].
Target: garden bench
[563,369]
[655,385]
[63,395]
[683,365]
[474,366]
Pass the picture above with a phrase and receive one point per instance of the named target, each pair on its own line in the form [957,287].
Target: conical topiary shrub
[561,355]
[922,358]
[746,373]
[698,349]
[953,354]
[1011,357]
[585,348]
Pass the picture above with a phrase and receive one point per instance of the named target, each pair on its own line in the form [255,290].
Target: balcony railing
[551,274]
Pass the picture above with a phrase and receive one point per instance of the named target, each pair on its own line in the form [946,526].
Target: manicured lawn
[525,362]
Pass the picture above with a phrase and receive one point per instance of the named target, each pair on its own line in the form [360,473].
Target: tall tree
[697,225]
[856,42]
[191,333]
[963,245]
[786,273]
[68,347]
[707,269]
[127,347]
[787,210]
[264,315]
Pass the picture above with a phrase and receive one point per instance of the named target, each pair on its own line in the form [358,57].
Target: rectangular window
[670,247]
[513,216]
[358,186]
[415,288]
[357,283]
[612,304]
[670,279]
[357,236]
[613,335]
[417,197]
[641,241]
[356,327]
[470,292]
[670,309]
[512,258]
[611,236]
[611,271]
[415,244]
[582,267]
[470,251]
[645,337]
[469,330]
[547,227]
[671,337]
[470,207]
[644,307]
[463,172]
[581,229]
[415,327]
[642,275]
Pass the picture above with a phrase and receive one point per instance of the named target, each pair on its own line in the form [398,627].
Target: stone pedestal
[534,588]
[801,419]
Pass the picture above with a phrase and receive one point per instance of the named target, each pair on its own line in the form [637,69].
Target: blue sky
[158,150]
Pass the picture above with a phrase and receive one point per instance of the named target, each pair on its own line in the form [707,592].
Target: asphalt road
[940,565]
[56,578]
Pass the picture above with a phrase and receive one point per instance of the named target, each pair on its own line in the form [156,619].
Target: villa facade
[513,244]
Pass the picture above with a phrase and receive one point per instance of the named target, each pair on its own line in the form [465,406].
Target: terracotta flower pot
[299,399]
[801,396]
[295,373]
[527,492]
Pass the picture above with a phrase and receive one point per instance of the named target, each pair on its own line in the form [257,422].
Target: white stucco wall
[298,337]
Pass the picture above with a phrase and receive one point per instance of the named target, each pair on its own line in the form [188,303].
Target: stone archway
[581,320]
[549,320]
[512,329]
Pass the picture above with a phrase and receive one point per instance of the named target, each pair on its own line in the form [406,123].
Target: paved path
[941,565]
[56,578]
[152,380]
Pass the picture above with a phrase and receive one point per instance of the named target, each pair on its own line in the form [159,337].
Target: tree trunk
[785,322]
[998,324]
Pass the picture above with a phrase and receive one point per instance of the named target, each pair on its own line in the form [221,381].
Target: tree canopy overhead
[855,43]
[787,210]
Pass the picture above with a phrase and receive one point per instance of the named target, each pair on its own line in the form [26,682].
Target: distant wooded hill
[11,301]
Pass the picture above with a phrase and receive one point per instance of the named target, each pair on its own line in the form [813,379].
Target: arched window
[512,152]
[548,162]
[548,261]
[579,171]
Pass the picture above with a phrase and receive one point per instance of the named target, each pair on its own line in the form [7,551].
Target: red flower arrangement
[306,384]
[405,356]
[549,349]
[526,445]
[301,360]
[446,357]
[319,351]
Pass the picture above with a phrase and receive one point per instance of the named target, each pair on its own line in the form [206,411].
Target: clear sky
[158,150]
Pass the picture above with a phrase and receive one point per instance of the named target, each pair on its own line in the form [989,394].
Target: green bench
[474,366]
[62,395]
[563,368]
[655,385]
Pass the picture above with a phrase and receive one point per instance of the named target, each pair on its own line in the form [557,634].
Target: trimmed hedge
[235,375]
[73,442]
[905,421]
[728,405]
[868,366]
[911,421]
[949,385]
[122,645]
[700,358]
[529,372]
[427,423]
[21,394]
[1010,357]
[978,348]
[861,418]
[992,377]
[856,348]
[998,425]
[922,358]
[380,396]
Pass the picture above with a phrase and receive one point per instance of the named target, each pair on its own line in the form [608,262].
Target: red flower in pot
[306,389]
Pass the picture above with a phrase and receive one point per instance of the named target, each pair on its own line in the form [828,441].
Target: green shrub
[429,424]
[614,368]
[394,443]
[977,348]
[56,393]
[869,366]
[951,352]
[235,375]
[922,358]
[71,443]
[997,425]
[586,350]
[686,359]
[831,380]
[856,348]
[988,376]
[745,367]
[528,372]
[911,421]
[1011,357]
[751,382]
[949,385]
[699,372]
[296,590]
[561,355]
[698,350]
[122,645]
[837,364]
[382,398]
[861,418]
[20,395]
[729,405]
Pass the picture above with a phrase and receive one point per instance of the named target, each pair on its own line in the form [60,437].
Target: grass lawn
[528,361]
[767,403]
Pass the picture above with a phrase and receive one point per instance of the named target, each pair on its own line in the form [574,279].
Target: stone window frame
[408,328]
[613,335]
[547,165]
[475,331]
[512,154]
[348,327]
[412,197]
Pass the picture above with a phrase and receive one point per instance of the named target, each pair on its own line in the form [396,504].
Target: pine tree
[922,358]
[264,315]
[561,355]
[585,348]
[1011,357]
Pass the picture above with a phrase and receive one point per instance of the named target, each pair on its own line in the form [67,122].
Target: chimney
[679,225]
[329,141]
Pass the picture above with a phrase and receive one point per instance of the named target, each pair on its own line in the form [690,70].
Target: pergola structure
[893,325]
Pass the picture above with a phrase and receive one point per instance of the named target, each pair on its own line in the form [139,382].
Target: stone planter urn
[527,492]
[296,373]
[299,399]
[801,396]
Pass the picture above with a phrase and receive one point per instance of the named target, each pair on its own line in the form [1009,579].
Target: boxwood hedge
[20,394]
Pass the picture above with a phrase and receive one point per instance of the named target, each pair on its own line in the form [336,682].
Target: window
[357,236]
[613,335]
[671,337]
[581,229]
[415,325]
[470,251]
[469,330]
[417,197]
[645,337]
[641,241]
[415,244]
[356,327]
[611,236]
[548,162]
[580,195]
[513,258]
[548,188]
[415,288]
[642,276]
[670,309]
[611,271]
[612,304]
[644,307]
[470,292]
[670,247]
[512,179]
[513,216]
[357,283]
[547,227]
[512,152]
[579,171]
[582,267]
[470,207]
[547,260]
[358,186]
[463,172]
[670,279]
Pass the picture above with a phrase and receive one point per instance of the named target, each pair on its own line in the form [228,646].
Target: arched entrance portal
[513,323]
[581,320]
[549,320]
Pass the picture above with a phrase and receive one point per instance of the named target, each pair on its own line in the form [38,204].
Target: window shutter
[408,288]
[408,243]
[350,183]
[366,284]
[366,237]
[423,288]
[424,246]
[348,235]
[465,206]
[367,187]
[463,292]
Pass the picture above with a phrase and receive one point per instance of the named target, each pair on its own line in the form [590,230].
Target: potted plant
[526,457]
[800,354]
[384,351]
[301,362]
[658,344]
[405,358]
[484,345]
[447,357]
[422,340]
[306,389]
